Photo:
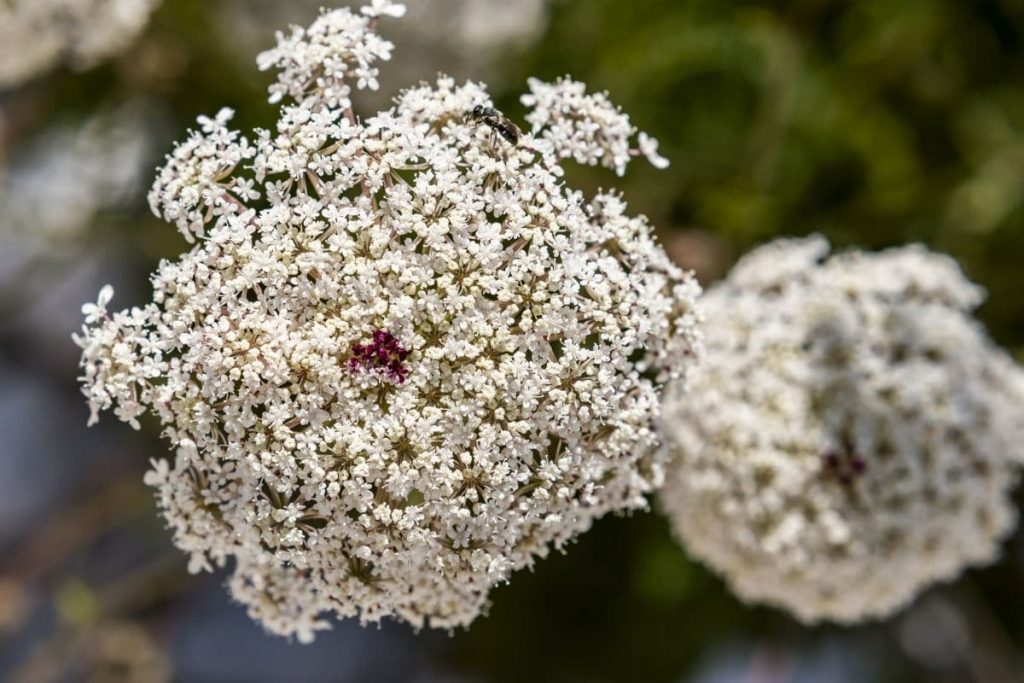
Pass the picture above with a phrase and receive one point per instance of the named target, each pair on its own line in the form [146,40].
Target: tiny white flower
[648,146]
[158,475]
[95,312]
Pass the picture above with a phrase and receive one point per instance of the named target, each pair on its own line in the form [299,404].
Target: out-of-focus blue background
[875,122]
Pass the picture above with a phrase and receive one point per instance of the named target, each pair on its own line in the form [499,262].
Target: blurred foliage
[875,122]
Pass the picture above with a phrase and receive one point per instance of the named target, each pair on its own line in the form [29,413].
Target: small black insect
[497,122]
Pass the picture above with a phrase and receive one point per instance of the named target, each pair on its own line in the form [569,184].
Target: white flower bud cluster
[402,358]
[853,434]
[37,34]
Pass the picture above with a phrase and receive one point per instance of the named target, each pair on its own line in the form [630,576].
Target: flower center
[845,465]
[383,355]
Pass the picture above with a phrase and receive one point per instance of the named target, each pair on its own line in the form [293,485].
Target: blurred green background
[874,122]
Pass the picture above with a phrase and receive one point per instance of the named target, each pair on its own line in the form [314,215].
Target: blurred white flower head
[37,34]
[54,189]
[402,358]
[853,435]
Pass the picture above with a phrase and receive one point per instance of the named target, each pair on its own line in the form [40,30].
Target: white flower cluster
[587,128]
[36,34]
[319,64]
[853,434]
[402,359]
[189,191]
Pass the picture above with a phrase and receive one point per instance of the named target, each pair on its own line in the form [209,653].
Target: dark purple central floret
[385,355]
[846,466]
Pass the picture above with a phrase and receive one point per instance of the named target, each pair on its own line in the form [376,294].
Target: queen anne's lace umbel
[36,34]
[852,435]
[402,359]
